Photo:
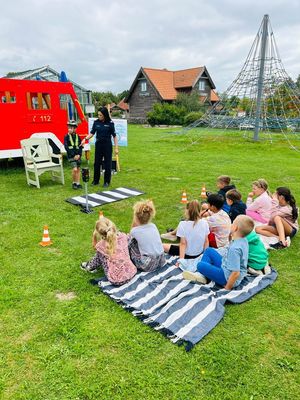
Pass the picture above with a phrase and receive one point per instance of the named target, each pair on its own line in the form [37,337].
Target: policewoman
[104,129]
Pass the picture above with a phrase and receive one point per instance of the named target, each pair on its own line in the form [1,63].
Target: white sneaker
[255,272]
[194,276]
[85,267]
[169,236]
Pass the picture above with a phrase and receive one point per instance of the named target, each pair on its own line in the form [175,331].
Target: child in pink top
[112,253]
[260,208]
[283,222]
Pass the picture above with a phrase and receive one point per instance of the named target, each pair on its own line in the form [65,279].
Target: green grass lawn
[89,347]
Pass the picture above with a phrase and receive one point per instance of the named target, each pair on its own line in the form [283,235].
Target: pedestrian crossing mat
[106,197]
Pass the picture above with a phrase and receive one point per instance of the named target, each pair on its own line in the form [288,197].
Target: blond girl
[112,253]
[145,246]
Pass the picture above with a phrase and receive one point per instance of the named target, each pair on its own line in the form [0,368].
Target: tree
[121,95]
[298,82]
[189,102]
[101,99]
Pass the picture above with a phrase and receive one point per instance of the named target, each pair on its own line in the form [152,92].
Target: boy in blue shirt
[230,269]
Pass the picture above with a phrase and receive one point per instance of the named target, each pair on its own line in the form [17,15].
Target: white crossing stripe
[103,198]
[82,200]
[118,195]
[128,191]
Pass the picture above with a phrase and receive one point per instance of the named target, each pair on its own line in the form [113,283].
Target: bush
[165,114]
[192,117]
[116,114]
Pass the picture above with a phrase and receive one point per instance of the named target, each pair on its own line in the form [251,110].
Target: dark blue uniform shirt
[103,130]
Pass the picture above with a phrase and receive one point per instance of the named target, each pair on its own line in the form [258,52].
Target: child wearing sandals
[230,269]
[193,234]
[283,223]
[145,246]
[112,253]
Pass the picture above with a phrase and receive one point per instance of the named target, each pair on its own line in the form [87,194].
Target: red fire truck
[39,108]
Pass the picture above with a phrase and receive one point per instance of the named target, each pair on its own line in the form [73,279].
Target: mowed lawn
[89,347]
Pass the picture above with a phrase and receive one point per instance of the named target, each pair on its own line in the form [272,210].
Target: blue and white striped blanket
[185,311]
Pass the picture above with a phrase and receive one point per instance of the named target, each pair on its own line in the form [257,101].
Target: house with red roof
[120,108]
[161,85]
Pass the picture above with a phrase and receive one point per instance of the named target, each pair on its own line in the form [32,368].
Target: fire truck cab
[39,108]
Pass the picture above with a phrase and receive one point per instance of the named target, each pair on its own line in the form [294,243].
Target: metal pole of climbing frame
[260,84]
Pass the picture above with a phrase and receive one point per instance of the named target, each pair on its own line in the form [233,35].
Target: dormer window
[143,86]
[201,86]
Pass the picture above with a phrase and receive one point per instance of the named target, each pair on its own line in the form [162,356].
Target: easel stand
[85,178]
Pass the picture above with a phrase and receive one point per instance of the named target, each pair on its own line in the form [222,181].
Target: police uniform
[103,148]
[73,148]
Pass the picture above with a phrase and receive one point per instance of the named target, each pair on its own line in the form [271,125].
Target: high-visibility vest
[76,145]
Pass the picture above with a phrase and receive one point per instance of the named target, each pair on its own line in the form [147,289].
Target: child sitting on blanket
[230,269]
[283,223]
[223,184]
[218,221]
[112,253]
[258,258]
[193,234]
[171,235]
[145,246]
[234,201]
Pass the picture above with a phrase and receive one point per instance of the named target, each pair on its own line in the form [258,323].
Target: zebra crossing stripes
[105,197]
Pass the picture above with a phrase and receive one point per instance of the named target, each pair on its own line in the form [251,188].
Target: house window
[143,86]
[201,86]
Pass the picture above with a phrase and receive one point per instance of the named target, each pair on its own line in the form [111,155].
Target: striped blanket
[185,311]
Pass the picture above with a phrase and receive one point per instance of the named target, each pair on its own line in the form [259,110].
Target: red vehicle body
[42,108]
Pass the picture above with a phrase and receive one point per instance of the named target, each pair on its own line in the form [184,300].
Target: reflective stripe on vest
[76,145]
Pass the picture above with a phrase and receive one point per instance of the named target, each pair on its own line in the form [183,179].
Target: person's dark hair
[289,198]
[233,195]
[216,200]
[105,113]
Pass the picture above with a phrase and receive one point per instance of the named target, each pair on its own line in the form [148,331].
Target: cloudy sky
[102,44]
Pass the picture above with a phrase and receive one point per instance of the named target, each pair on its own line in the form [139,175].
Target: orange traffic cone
[203,192]
[184,199]
[101,214]
[46,239]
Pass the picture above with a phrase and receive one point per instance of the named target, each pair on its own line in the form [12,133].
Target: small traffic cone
[203,192]
[46,239]
[184,199]
[101,214]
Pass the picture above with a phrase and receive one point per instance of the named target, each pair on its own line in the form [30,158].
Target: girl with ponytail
[111,253]
[145,246]
[283,223]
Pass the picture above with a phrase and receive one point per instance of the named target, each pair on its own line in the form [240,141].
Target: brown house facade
[161,85]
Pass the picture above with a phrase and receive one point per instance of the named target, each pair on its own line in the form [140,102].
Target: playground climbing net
[263,101]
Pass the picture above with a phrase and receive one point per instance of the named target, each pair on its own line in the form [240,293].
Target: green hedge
[166,114]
